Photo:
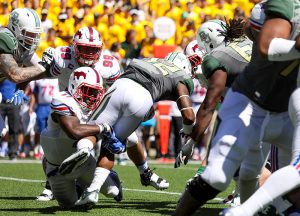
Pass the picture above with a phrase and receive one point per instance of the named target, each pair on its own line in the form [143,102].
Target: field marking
[125,189]
[153,163]
[21,180]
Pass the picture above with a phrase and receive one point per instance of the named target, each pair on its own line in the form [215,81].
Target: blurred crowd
[126,28]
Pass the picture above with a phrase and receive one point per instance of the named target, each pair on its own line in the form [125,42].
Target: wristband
[181,96]
[187,129]
[282,50]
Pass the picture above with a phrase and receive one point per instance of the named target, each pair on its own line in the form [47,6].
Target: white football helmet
[181,61]
[258,16]
[195,54]
[87,45]
[86,87]
[209,34]
[26,26]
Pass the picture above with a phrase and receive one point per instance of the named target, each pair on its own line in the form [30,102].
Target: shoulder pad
[109,68]
[63,104]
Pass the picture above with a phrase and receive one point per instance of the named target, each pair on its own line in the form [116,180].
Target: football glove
[18,98]
[185,153]
[47,59]
[112,143]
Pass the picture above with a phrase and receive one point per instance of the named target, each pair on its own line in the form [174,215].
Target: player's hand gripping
[112,143]
[47,58]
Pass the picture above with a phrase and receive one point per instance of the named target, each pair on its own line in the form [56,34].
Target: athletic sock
[100,176]
[142,167]
[278,184]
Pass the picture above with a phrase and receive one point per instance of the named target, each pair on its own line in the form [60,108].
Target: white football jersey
[45,90]
[56,144]
[199,92]
[65,63]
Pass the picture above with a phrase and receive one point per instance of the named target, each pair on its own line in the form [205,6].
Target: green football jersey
[271,83]
[159,76]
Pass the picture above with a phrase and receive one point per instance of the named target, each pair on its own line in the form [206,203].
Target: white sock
[100,176]
[85,143]
[143,167]
[278,184]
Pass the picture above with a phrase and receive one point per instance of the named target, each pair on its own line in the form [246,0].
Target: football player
[67,132]
[86,50]
[254,111]
[18,43]
[220,70]
[279,42]
[130,99]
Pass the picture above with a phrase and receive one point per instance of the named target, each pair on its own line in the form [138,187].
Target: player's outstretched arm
[10,68]
[213,95]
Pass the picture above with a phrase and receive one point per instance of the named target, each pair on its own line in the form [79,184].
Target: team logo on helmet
[204,37]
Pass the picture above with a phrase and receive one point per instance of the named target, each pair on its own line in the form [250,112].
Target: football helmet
[209,34]
[86,87]
[258,16]
[87,45]
[195,55]
[181,61]
[26,26]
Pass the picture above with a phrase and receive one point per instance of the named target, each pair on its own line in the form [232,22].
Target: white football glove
[47,58]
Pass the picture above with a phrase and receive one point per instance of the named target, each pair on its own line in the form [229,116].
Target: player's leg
[274,187]
[63,188]
[236,133]
[46,194]
[135,152]
[71,163]
[251,168]
[104,166]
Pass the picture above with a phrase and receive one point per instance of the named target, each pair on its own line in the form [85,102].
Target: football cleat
[88,199]
[116,179]
[74,161]
[46,195]
[150,178]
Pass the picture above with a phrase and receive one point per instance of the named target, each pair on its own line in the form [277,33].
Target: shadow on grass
[17,198]
[126,206]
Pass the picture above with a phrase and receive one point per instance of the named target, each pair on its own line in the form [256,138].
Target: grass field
[21,182]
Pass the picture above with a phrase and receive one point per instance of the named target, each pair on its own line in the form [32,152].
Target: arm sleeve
[7,43]
[280,8]
[210,64]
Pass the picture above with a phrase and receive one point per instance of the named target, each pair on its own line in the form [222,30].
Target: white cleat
[46,195]
[74,161]
[88,199]
[150,178]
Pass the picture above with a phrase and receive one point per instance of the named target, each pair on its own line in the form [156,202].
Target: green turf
[18,198]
